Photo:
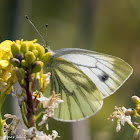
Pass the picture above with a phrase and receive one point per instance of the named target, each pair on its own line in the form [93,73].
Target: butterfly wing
[106,71]
[80,95]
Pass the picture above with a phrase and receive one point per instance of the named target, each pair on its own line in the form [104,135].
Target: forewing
[106,71]
[80,95]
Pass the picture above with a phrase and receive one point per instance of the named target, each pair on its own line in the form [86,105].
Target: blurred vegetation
[106,26]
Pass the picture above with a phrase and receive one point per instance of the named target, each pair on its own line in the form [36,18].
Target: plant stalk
[1,125]
[29,102]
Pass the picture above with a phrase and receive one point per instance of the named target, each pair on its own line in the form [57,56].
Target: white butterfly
[84,78]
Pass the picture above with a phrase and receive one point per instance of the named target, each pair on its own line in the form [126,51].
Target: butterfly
[84,78]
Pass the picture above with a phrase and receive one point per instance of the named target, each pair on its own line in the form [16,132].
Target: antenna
[46,47]
[46,25]
[36,30]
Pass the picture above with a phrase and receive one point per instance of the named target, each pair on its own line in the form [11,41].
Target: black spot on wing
[103,77]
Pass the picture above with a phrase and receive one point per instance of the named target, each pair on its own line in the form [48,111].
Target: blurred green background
[105,26]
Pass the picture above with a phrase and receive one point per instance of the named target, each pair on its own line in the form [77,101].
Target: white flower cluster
[123,116]
[12,126]
[34,134]
[49,104]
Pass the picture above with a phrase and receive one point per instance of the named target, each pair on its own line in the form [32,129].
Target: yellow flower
[43,79]
[6,72]
[8,50]
[19,42]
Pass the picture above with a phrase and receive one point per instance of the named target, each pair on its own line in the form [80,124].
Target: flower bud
[19,56]
[31,47]
[138,108]
[130,112]
[41,50]
[15,62]
[37,66]
[136,135]
[18,42]
[46,57]
[23,48]
[20,73]
[14,48]
[29,57]
[24,63]
[35,52]
[135,99]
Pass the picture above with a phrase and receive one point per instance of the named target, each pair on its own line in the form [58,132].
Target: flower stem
[1,125]
[132,126]
[7,89]
[29,102]
[2,98]
[23,116]
[39,114]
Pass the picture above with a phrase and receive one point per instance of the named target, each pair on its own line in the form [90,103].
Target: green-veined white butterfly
[84,78]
